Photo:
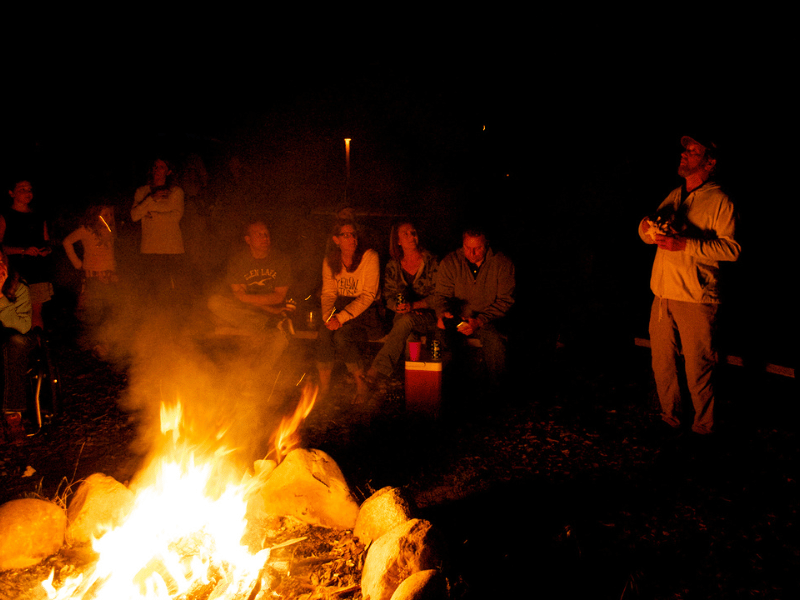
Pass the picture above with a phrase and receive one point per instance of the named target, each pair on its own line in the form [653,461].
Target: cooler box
[424,387]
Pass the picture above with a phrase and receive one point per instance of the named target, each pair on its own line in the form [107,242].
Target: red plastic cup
[414,350]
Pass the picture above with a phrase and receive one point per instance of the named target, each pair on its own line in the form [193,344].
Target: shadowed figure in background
[350,282]
[253,299]
[694,229]
[159,206]
[474,291]
[200,255]
[25,239]
[408,285]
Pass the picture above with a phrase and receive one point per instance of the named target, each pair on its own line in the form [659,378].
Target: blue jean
[344,342]
[17,349]
[494,350]
[417,321]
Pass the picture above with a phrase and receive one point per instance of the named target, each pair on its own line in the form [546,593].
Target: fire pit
[195,528]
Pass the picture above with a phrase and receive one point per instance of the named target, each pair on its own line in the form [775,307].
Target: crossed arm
[271,303]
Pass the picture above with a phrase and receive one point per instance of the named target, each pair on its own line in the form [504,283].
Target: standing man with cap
[694,229]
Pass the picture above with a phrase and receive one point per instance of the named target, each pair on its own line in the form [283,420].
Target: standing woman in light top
[159,206]
[98,264]
[350,282]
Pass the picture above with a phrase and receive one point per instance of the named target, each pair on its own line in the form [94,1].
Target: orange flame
[184,532]
[285,438]
[171,418]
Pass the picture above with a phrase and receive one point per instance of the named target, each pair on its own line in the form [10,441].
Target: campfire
[183,535]
[193,527]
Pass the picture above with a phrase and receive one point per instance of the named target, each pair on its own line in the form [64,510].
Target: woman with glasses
[350,282]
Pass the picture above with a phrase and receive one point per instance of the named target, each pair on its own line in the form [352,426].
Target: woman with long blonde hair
[409,282]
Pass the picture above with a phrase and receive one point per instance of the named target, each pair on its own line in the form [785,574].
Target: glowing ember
[183,536]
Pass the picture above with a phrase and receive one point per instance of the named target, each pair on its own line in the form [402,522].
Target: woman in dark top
[409,281]
[23,234]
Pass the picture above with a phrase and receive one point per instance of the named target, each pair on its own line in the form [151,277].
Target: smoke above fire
[225,391]
[167,343]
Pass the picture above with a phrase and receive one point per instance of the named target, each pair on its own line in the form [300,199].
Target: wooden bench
[734,360]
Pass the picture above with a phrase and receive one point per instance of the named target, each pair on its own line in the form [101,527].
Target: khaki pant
[686,328]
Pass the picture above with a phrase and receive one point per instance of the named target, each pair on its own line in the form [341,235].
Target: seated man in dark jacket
[474,289]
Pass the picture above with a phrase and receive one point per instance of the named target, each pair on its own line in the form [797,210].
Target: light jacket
[161,231]
[361,284]
[17,314]
[707,218]
[420,288]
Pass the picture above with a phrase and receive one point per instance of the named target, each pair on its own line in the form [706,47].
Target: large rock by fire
[101,503]
[383,511]
[30,531]
[410,547]
[309,486]
[422,585]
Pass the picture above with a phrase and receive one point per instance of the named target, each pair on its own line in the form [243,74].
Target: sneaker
[16,432]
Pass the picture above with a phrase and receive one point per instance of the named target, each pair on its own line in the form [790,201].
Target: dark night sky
[576,147]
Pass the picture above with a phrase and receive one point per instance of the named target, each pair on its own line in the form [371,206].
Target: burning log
[322,563]
[180,531]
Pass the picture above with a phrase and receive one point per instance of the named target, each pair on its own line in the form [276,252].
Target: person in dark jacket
[474,291]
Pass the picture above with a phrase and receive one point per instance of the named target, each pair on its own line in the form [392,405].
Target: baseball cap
[703,140]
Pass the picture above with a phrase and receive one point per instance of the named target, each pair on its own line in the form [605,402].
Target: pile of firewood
[320,564]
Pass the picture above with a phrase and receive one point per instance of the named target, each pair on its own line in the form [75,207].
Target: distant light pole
[347,156]
[347,162]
